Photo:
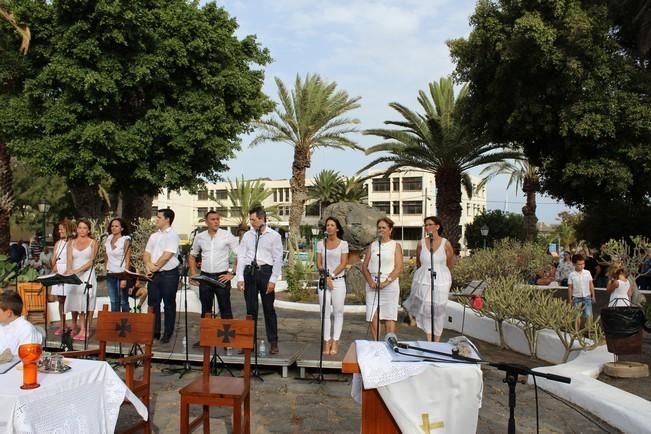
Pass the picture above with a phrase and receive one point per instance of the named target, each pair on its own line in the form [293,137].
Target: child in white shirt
[580,289]
[14,329]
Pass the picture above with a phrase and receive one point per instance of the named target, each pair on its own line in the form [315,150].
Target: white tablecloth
[422,395]
[85,400]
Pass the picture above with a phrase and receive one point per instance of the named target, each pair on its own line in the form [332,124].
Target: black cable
[438,360]
[573,407]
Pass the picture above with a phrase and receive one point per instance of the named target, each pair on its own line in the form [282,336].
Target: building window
[201,211]
[396,184]
[382,206]
[275,195]
[412,183]
[235,211]
[220,194]
[381,184]
[287,199]
[396,207]
[412,207]
[154,211]
[202,195]
[312,210]
[222,211]
[283,210]
[411,233]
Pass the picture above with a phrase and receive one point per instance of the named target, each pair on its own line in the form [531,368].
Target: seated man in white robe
[14,329]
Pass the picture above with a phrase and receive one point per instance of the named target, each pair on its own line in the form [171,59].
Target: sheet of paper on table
[6,367]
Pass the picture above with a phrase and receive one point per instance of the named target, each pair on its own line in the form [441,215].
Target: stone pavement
[289,405]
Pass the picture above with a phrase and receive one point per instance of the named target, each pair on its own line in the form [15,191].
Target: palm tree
[325,189]
[521,173]
[311,116]
[438,142]
[352,189]
[244,195]
[6,178]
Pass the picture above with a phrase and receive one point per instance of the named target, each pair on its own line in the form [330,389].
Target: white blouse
[333,258]
[115,260]
[386,261]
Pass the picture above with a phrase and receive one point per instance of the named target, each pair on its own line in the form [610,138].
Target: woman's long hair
[340,229]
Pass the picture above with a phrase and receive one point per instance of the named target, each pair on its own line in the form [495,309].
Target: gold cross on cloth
[428,426]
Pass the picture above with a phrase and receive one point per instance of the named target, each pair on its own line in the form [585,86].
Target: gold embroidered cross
[428,426]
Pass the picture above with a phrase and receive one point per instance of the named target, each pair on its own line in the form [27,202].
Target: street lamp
[44,207]
[484,233]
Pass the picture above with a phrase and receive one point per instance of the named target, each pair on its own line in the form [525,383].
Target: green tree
[553,77]
[521,174]
[325,188]
[244,195]
[440,142]
[136,96]
[313,115]
[500,225]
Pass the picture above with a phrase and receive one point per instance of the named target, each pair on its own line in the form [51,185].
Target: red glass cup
[29,354]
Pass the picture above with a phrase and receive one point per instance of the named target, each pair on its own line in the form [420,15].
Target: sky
[381,50]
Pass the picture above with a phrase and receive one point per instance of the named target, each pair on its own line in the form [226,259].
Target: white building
[406,197]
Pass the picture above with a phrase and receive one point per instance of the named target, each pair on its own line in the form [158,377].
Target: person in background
[565,267]
[419,301]
[644,278]
[580,289]
[82,251]
[35,246]
[14,329]
[45,261]
[619,288]
[66,230]
[334,292]
[161,260]
[213,247]
[118,257]
[258,270]
[382,278]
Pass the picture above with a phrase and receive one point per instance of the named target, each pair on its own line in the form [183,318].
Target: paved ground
[289,405]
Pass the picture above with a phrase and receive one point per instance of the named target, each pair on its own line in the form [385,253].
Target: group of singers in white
[258,263]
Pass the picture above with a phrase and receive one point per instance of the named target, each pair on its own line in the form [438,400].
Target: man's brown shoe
[274,348]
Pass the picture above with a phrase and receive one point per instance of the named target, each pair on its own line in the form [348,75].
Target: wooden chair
[220,391]
[33,296]
[127,328]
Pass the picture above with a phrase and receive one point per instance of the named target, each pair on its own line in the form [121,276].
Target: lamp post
[484,233]
[44,207]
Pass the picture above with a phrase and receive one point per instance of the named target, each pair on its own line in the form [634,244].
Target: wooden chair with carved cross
[221,391]
[127,328]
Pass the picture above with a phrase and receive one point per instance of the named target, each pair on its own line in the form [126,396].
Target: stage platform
[309,358]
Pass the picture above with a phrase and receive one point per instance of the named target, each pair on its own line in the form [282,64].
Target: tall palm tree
[311,116]
[6,179]
[325,188]
[244,195]
[437,141]
[521,174]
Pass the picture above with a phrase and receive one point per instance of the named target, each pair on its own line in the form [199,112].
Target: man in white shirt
[14,329]
[161,260]
[259,262]
[580,289]
[213,247]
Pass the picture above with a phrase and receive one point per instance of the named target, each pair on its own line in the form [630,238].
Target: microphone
[429,235]
[392,341]
[325,234]
[378,236]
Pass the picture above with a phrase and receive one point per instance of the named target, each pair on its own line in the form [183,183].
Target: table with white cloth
[86,399]
[413,397]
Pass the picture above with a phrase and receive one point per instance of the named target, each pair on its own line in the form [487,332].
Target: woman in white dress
[58,260]
[419,301]
[619,288]
[381,268]
[118,255]
[335,282]
[81,257]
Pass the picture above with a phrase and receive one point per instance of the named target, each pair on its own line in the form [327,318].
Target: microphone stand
[432,279]
[324,287]
[378,279]
[87,288]
[214,364]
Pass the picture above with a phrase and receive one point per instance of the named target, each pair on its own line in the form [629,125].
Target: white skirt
[76,299]
[62,290]
[419,305]
[389,297]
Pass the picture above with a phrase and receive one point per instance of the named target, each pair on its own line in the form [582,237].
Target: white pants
[334,297]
